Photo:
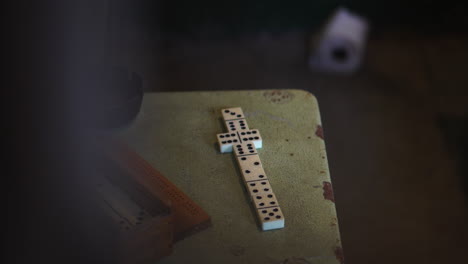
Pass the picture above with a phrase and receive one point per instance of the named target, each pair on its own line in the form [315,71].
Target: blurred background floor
[398,186]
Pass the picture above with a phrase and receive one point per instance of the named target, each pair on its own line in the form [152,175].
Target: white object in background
[341,45]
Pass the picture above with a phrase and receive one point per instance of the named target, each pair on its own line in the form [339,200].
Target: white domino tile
[232,113]
[258,187]
[226,141]
[251,168]
[253,136]
[270,218]
[253,174]
[239,125]
[244,149]
[264,200]
[250,161]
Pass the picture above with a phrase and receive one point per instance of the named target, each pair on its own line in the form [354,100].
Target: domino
[250,161]
[251,168]
[264,200]
[259,187]
[244,142]
[226,140]
[253,174]
[244,149]
[270,218]
[251,136]
[232,113]
[236,125]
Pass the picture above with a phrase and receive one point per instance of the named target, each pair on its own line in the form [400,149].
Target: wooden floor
[398,191]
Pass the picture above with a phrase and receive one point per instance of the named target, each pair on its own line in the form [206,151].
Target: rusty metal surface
[175,132]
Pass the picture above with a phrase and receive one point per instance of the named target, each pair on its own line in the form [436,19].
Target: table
[176,133]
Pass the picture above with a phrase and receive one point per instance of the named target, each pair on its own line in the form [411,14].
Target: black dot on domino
[226,111]
[256,163]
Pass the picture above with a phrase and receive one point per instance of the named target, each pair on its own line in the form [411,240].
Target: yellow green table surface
[176,133]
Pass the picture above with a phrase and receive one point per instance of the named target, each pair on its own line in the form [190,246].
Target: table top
[176,133]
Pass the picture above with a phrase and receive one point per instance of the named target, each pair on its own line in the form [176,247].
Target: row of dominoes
[244,142]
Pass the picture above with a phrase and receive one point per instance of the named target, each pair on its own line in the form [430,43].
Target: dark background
[395,131]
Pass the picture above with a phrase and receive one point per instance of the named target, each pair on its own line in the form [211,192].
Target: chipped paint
[339,254]
[278,96]
[295,260]
[319,132]
[328,191]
